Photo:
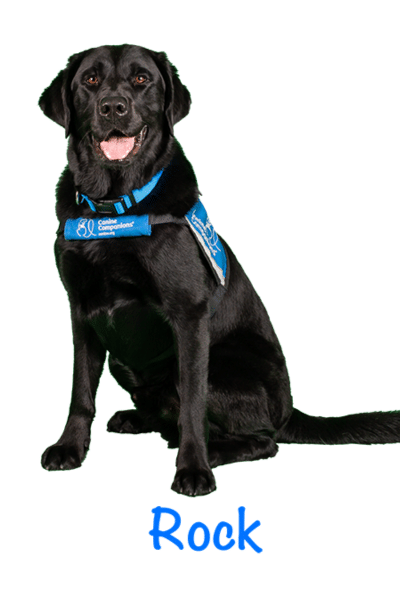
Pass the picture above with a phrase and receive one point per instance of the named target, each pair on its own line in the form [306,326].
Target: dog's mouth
[117,146]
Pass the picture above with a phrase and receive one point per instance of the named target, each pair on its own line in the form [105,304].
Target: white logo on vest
[82,231]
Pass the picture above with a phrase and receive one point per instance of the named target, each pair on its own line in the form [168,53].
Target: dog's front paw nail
[194,482]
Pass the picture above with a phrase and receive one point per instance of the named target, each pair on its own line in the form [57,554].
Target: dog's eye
[140,79]
[92,80]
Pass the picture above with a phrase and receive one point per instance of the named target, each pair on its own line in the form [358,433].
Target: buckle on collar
[120,205]
[111,207]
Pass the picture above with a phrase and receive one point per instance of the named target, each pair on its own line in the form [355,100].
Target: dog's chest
[116,297]
[133,332]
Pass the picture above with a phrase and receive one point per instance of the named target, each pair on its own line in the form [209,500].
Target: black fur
[217,387]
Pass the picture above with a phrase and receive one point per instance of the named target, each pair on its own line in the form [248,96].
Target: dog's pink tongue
[117,148]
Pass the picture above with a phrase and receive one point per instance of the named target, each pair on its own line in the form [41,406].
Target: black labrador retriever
[150,282]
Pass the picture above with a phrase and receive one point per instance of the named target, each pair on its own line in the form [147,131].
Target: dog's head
[116,99]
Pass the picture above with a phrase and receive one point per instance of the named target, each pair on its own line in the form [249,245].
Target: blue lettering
[217,534]
[156,533]
[244,534]
[191,533]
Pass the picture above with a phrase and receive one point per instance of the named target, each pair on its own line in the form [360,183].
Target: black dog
[187,336]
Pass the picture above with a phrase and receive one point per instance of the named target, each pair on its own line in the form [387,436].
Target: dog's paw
[126,421]
[63,457]
[194,482]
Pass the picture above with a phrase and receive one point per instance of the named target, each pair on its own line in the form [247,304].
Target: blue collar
[121,204]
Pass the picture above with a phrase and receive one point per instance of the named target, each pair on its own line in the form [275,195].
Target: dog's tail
[364,428]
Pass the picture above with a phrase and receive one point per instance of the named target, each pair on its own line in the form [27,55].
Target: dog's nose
[110,106]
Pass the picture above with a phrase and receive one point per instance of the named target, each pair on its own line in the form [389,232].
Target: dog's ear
[177,96]
[56,100]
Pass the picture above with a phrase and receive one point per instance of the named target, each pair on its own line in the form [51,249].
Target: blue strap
[141,194]
[127,201]
[118,206]
[88,201]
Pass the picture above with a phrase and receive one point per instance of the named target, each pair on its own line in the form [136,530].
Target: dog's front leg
[89,357]
[193,476]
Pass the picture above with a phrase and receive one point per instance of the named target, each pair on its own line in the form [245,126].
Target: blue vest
[113,225]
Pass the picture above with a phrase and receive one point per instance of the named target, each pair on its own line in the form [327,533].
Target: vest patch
[108,227]
[208,239]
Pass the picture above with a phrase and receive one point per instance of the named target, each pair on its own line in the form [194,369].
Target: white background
[294,134]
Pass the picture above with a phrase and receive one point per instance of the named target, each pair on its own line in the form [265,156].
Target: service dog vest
[110,224]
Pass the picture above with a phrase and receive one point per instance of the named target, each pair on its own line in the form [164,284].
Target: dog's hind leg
[156,401]
[248,399]
[128,421]
[240,425]
[233,449]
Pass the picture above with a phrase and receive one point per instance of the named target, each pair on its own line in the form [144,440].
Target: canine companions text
[151,284]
